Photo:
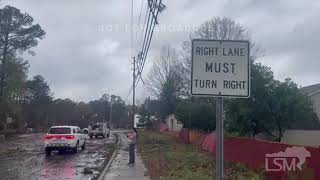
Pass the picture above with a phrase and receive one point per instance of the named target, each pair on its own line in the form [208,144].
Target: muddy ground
[22,158]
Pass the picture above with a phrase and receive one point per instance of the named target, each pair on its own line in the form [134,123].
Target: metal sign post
[220,68]
[219,138]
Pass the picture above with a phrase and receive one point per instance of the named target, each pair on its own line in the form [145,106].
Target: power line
[146,37]
[144,25]
[141,57]
[133,89]
[153,9]
[125,100]
[138,25]
[141,7]
[140,54]
[159,8]
[140,12]
[131,29]
[133,70]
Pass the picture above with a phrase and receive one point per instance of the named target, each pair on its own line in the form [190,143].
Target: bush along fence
[277,161]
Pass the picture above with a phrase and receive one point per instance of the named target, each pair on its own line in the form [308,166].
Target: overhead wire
[138,25]
[131,30]
[138,41]
[146,38]
[150,20]
[131,45]
[140,54]
[125,100]
[150,35]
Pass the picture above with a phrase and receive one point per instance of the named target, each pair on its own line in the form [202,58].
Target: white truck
[99,129]
[64,138]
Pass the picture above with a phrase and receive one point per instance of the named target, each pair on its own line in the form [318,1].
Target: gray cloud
[82,58]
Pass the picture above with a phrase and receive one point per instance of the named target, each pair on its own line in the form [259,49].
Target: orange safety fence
[196,137]
[209,143]
[252,153]
[184,136]
[163,127]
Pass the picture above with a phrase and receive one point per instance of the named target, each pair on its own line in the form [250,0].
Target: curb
[105,170]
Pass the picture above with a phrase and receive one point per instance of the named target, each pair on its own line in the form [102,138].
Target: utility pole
[155,7]
[110,115]
[148,105]
[133,89]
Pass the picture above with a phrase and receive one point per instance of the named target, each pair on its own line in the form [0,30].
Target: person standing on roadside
[132,136]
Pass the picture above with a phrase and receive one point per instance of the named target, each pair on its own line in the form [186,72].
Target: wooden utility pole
[133,89]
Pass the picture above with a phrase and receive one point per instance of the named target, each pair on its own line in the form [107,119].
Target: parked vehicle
[64,138]
[99,129]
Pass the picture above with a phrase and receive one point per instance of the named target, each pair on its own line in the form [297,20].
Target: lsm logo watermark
[290,160]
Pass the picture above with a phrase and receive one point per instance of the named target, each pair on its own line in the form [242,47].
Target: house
[306,132]
[173,124]
[313,92]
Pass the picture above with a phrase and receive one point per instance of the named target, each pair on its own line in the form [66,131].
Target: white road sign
[220,68]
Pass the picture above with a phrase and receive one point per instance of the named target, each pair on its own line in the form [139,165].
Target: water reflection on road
[25,159]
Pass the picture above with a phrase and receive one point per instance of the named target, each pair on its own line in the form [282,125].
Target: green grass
[168,159]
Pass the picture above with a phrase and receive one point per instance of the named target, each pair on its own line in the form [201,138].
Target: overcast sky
[86,51]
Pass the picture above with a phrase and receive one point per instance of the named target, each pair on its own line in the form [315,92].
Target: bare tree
[164,68]
[165,81]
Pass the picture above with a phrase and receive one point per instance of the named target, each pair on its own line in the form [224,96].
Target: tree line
[273,106]
[29,103]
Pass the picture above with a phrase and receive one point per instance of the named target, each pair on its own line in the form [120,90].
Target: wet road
[24,159]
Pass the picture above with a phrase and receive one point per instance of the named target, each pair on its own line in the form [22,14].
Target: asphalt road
[23,158]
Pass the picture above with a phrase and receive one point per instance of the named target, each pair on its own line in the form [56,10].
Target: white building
[136,120]
[173,123]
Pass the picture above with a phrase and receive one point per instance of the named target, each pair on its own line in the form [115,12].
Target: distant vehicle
[99,129]
[29,130]
[136,120]
[137,123]
[64,138]
[85,131]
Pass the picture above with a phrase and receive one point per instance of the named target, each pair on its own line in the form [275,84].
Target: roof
[311,90]
[98,123]
[64,127]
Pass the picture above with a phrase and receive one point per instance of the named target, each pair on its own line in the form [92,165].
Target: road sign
[220,68]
